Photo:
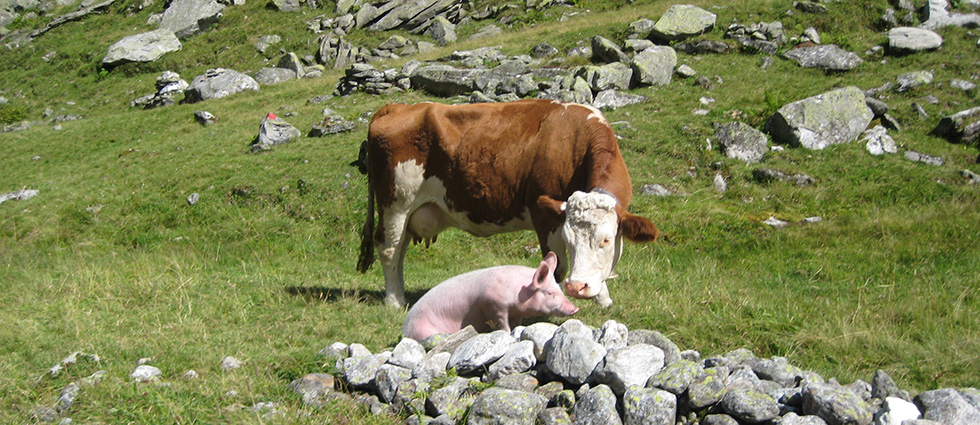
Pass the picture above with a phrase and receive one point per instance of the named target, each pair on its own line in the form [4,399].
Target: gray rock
[145,47]
[274,131]
[895,410]
[230,363]
[612,335]
[519,382]
[750,405]
[767,175]
[640,28]
[828,57]
[145,373]
[539,334]
[962,85]
[910,40]
[923,158]
[776,369]
[218,83]
[741,141]
[702,47]
[408,353]
[605,50]
[267,41]
[792,418]
[878,142]
[685,71]
[960,127]
[810,7]
[433,366]
[20,195]
[503,406]
[480,351]
[387,380]
[720,419]
[452,399]
[518,358]
[637,45]
[446,80]
[947,406]
[361,371]
[831,118]
[597,406]
[554,416]
[543,50]
[682,21]
[485,32]
[648,406]
[443,31]
[269,76]
[836,405]
[284,5]
[312,387]
[616,75]
[910,80]
[204,117]
[442,343]
[633,365]
[676,377]
[656,190]
[883,386]
[654,66]
[187,18]
[656,339]
[612,99]
[708,388]
[573,357]
[936,15]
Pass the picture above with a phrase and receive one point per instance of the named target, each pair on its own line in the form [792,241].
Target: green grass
[110,259]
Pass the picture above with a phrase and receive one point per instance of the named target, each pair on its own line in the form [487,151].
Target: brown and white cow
[544,165]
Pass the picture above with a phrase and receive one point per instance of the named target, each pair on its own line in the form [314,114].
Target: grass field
[111,260]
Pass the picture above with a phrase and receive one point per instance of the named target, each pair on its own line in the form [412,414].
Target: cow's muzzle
[581,290]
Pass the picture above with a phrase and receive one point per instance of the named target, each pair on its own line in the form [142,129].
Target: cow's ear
[551,205]
[636,228]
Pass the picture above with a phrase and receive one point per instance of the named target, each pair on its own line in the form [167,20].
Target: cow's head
[593,230]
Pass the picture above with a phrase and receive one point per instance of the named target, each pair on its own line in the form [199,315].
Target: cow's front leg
[603,299]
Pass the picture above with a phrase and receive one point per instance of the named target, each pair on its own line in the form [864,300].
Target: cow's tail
[366,258]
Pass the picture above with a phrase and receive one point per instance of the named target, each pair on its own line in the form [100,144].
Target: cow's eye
[605,242]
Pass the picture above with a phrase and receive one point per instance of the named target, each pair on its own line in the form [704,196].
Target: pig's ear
[544,270]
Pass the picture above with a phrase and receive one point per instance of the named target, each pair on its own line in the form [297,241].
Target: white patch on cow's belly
[412,191]
[593,112]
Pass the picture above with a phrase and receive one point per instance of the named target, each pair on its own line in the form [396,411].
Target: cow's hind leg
[391,255]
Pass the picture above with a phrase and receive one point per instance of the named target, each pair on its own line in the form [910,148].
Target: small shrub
[12,113]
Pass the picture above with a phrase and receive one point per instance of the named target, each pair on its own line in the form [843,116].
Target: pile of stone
[764,37]
[168,85]
[365,77]
[550,374]
[290,66]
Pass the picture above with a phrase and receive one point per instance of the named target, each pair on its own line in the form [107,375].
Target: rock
[573,357]
[543,50]
[708,388]
[676,377]
[947,406]
[612,99]
[836,405]
[480,351]
[146,373]
[702,47]
[936,15]
[433,366]
[312,387]
[518,358]
[485,32]
[266,41]
[269,76]
[878,142]
[554,416]
[284,5]
[894,411]
[616,75]
[910,80]
[597,406]
[637,45]
[656,190]
[721,419]
[519,382]
[682,21]
[145,47]
[810,7]
[685,71]
[960,127]
[452,399]
[654,66]
[883,386]
[503,406]
[186,18]
[656,339]
[204,117]
[911,40]
[831,118]
[446,80]
[742,142]
[605,50]
[749,405]
[218,83]
[648,406]
[20,195]
[443,31]
[274,131]
[612,335]
[388,379]
[408,353]
[539,334]
[767,175]
[633,365]
[360,372]
[828,57]
[230,363]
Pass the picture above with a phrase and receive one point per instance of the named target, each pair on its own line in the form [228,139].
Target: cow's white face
[593,244]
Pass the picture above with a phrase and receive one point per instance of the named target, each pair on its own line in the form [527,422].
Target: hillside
[154,238]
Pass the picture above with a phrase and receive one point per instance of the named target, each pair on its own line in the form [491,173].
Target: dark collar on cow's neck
[604,192]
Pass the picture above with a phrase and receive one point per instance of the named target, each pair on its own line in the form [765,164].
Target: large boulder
[838,116]
[191,17]
[217,83]
[145,47]
[654,66]
[828,57]
[740,141]
[961,127]
[606,50]
[407,14]
[446,80]
[682,21]
[504,406]
[947,406]
[908,39]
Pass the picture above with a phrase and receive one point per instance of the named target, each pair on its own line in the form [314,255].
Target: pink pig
[493,298]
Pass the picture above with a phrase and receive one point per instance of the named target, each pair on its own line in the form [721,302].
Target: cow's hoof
[604,302]
[395,302]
